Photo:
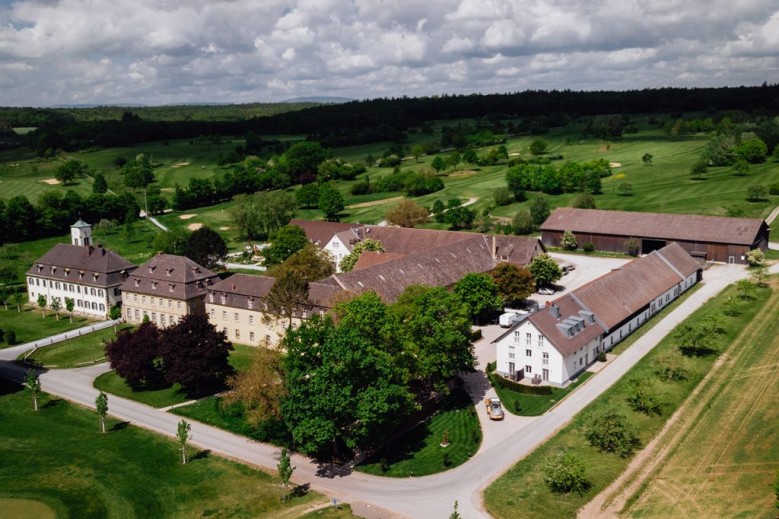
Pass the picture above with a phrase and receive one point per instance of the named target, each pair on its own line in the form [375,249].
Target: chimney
[90,249]
[554,310]
[494,248]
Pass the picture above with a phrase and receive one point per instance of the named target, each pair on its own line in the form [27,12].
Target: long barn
[713,238]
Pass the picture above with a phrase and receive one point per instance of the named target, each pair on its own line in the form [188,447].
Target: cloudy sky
[170,51]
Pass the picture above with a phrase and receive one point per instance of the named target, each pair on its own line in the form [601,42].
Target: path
[425,497]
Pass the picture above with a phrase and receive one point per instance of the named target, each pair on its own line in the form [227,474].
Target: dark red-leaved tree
[134,355]
[195,354]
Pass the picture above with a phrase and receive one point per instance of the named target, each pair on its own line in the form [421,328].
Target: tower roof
[80,223]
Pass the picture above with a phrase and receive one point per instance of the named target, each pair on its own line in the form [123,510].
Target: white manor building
[89,275]
[560,341]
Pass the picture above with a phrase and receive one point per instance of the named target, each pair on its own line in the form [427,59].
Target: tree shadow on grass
[8,388]
[54,402]
[201,455]
[120,426]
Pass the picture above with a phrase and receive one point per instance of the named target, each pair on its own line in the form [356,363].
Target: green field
[58,457]
[419,451]
[73,353]
[30,326]
[725,448]
[522,487]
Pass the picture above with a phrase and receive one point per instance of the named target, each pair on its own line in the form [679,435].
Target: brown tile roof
[402,240]
[370,258]
[66,262]
[238,289]
[717,229]
[624,291]
[320,232]
[443,266]
[166,275]
[569,308]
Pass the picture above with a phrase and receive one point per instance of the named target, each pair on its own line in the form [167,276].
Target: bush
[644,397]
[773,189]
[568,241]
[10,337]
[476,334]
[588,247]
[522,223]
[601,356]
[671,366]
[632,246]
[565,472]
[505,383]
[608,430]
[502,196]
[755,258]
[2,335]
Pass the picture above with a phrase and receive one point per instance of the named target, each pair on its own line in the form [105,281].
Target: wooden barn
[713,238]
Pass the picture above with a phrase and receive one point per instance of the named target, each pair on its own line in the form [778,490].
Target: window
[212,313]
[152,301]
[267,339]
[237,319]
[136,314]
[129,312]
[237,333]
[170,303]
[100,293]
[102,307]
[540,341]
[251,336]
[528,353]
[162,319]
[516,336]
[160,301]
[178,305]
[143,299]
[154,317]
[545,360]
[528,369]
[135,297]
[528,339]
[511,355]
[78,289]
[92,291]
[251,319]
[224,315]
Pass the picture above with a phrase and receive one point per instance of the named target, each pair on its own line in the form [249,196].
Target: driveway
[431,496]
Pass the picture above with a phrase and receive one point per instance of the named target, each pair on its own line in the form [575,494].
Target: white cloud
[243,50]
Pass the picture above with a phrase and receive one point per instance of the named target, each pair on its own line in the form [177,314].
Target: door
[731,259]
[512,369]
[545,374]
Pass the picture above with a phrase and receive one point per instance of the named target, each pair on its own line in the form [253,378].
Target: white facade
[526,348]
[87,299]
[337,250]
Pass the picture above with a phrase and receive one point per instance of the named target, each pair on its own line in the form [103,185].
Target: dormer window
[40,268]
[154,285]
[168,271]
[251,303]
[80,274]
[224,299]
[171,286]
[95,275]
[53,270]
[67,271]
[211,298]
[151,268]
[137,282]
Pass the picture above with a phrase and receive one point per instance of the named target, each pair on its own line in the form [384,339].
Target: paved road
[14,351]
[425,497]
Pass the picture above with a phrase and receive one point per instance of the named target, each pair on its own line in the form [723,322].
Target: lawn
[30,326]
[522,487]
[59,458]
[87,349]
[110,382]
[331,512]
[725,449]
[524,404]
[419,452]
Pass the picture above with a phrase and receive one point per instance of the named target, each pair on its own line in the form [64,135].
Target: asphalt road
[425,497]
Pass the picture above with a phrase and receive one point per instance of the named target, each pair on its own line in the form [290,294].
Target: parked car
[546,291]
[494,409]
[567,267]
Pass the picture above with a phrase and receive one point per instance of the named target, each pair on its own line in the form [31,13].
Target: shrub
[644,397]
[756,193]
[632,246]
[588,247]
[568,241]
[502,196]
[773,189]
[583,201]
[602,356]
[505,383]
[10,337]
[608,430]
[522,223]
[2,335]
[565,472]
[755,258]
[538,147]
[671,366]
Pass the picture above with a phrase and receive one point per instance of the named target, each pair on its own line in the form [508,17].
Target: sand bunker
[615,164]
[167,189]
[224,228]
[194,226]
[181,164]
[376,202]
[187,216]
[51,181]
[462,173]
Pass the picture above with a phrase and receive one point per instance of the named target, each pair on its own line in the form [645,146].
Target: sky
[153,52]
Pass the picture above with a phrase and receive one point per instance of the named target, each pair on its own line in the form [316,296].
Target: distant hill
[332,100]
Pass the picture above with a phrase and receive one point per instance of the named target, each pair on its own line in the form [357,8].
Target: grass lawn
[725,450]
[331,512]
[58,457]
[524,404]
[76,352]
[419,451]
[522,487]
[30,326]
[112,383]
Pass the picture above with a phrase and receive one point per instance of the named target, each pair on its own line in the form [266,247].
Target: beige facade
[247,326]
[166,288]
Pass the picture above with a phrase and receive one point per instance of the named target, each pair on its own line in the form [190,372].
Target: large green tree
[331,202]
[288,297]
[284,243]
[311,262]
[257,216]
[479,294]
[350,260]
[67,172]
[206,247]
[545,270]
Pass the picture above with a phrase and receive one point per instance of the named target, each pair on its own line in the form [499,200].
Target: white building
[89,275]
[557,343]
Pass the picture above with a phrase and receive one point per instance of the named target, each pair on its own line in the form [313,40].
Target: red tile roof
[662,226]
[167,275]
[79,264]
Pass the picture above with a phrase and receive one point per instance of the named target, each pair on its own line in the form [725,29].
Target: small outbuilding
[712,238]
